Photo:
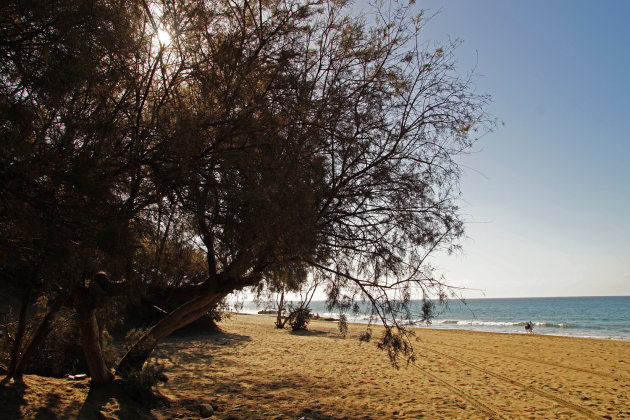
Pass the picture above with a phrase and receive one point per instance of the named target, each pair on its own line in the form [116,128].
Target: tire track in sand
[488,411]
[567,404]
[609,375]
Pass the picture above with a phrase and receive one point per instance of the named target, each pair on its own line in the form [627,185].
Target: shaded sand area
[253,370]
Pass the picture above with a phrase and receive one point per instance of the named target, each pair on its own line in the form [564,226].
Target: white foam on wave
[481,323]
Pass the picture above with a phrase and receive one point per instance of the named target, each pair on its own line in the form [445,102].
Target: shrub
[299,318]
[60,353]
[343,325]
[140,383]
[110,353]
[366,336]
[428,311]
[133,336]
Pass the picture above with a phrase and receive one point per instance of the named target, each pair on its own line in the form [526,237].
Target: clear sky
[547,197]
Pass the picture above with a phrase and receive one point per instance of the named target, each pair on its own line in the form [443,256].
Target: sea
[605,317]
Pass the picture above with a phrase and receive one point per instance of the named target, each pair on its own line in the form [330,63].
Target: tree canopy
[258,143]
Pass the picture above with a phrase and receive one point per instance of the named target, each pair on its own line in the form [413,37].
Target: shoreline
[328,317]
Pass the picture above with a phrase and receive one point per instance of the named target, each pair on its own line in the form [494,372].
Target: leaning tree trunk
[40,334]
[180,317]
[19,335]
[99,372]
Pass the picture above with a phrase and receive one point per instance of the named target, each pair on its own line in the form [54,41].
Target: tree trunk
[99,372]
[19,335]
[42,331]
[279,322]
[180,317]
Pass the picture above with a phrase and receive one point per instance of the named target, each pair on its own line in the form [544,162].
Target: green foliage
[60,353]
[299,318]
[366,336]
[133,336]
[428,310]
[244,152]
[219,313]
[110,352]
[396,343]
[140,383]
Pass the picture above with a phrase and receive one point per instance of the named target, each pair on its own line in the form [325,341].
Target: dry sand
[253,370]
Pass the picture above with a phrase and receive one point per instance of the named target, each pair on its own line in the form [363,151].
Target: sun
[163,36]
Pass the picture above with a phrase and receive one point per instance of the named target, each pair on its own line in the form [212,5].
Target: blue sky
[547,196]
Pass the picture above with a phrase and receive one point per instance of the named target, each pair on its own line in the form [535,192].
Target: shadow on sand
[11,399]
[266,392]
[118,402]
[314,333]
[227,339]
[310,333]
[203,347]
[114,400]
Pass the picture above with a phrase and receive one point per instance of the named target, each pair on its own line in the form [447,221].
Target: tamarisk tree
[278,138]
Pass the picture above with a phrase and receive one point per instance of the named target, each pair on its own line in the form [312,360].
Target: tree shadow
[207,344]
[220,338]
[11,399]
[115,395]
[48,411]
[199,355]
[314,333]
[228,339]
[311,414]
[265,393]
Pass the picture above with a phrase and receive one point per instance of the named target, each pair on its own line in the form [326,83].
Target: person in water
[529,327]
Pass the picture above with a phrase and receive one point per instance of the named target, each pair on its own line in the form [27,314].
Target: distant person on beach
[529,327]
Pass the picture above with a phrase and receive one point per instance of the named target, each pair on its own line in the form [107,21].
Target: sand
[253,370]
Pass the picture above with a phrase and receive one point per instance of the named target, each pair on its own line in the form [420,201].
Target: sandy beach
[252,370]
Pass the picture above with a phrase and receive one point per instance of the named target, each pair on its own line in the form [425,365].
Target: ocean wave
[483,323]
[607,318]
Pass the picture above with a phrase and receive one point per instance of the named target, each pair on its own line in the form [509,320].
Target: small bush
[140,383]
[218,313]
[366,336]
[299,318]
[428,311]
[343,325]
[110,353]
[133,336]
[60,352]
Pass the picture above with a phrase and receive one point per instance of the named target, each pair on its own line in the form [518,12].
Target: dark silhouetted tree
[265,140]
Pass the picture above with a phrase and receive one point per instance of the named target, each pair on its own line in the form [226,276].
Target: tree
[327,143]
[279,138]
[61,66]
[298,314]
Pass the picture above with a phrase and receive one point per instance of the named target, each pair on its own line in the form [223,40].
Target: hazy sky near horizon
[547,195]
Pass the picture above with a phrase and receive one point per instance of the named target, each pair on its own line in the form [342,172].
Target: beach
[253,370]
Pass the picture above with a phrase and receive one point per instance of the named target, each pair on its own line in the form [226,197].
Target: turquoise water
[595,317]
